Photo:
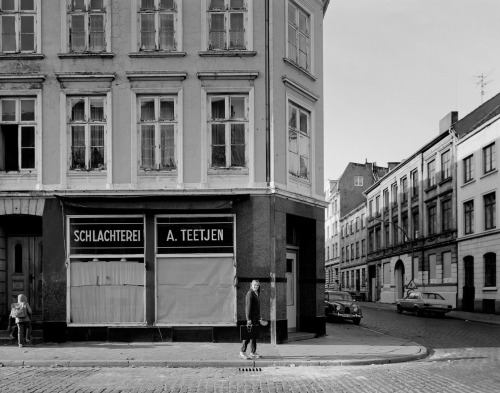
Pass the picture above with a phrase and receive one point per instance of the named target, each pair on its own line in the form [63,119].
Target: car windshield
[432,296]
[340,296]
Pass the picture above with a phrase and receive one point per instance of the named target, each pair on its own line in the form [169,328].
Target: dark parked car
[424,303]
[340,305]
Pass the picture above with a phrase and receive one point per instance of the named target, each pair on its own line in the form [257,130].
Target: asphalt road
[465,358]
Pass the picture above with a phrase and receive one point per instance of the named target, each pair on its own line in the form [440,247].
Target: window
[431,173]
[357,224]
[489,158]
[158,132]
[87,126]
[159,25]
[370,208]
[386,198]
[378,240]
[228,126]
[357,250]
[394,190]
[377,204]
[352,251]
[415,222]
[371,241]
[469,217]
[342,258]
[490,269]
[446,215]
[358,181]
[17,134]
[446,259]
[490,211]
[227,24]
[414,179]
[395,232]
[386,235]
[432,217]
[299,123]
[363,247]
[404,189]
[87,25]
[404,224]
[432,266]
[347,253]
[18,19]
[299,36]
[468,169]
[446,165]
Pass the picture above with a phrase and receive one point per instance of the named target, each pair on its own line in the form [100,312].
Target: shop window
[228,128]
[17,134]
[490,269]
[299,36]
[158,132]
[18,26]
[299,139]
[159,25]
[87,128]
[88,22]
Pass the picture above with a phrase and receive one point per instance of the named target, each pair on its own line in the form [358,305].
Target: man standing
[252,313]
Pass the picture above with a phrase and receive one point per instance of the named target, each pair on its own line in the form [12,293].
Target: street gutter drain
[249,369]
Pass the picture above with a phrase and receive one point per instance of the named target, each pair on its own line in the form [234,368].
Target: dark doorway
[468,290]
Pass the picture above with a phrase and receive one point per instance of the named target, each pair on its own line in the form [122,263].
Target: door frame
[292,310]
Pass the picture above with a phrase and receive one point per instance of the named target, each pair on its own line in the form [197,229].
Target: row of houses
[429,223]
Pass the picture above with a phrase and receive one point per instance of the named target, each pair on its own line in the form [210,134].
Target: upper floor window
[490,211]
[432,219]
[431,173]
[446,165]
[414,180]
[18,26]
[386,198]
[446,216]
[17,134]
[227,24]
[299,39]
[87,128]
[158,21]
[370,208]
[362,220]
[415,222]
[88,21]
[158,132]
[468,168]
[228,128]
[358,181]
[377,204]
[404,189]
[394,190]
[299,123]
[489,158]
[469,217]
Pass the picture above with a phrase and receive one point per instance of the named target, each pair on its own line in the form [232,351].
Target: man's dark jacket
[252,307]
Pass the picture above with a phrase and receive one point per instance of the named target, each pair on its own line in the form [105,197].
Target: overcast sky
[394,68]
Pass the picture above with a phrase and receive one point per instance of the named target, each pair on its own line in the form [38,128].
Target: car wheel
[418,311]
[356,321]
[399,309]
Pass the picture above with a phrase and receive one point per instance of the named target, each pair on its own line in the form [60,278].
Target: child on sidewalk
[21,311]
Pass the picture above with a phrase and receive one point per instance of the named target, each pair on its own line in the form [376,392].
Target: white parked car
[424,303]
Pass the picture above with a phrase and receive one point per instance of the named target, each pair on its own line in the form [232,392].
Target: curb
[242,365]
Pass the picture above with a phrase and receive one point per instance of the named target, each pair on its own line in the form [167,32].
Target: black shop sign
[106,235]
[195,235]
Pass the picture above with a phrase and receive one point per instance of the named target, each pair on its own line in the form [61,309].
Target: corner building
[156,156]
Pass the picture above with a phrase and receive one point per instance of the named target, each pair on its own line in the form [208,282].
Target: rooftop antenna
[482,82]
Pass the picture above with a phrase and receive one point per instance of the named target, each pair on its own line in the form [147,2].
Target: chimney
[446,122]
[392,165]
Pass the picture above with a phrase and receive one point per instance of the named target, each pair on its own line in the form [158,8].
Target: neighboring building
[353,268]
[412,223]
[478,231]
[332,225]
[343,196]
[155,158]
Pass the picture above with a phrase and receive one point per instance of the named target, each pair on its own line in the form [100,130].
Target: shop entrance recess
[24,256]
[291,290]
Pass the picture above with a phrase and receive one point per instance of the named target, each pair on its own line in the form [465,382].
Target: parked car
[340,305]
[424,303]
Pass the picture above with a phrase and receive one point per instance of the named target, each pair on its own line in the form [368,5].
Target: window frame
[489,158]
[87,124]
[68,12]
[17,14]
[404,189]
[468,209]
[432,219]
[468,168]
[358,181]
[446,165]
[176,11]
[301,108]
[414,182]
[489,211]
[490,267]
[20,123]
[446,215]
[309,14]
[431,173]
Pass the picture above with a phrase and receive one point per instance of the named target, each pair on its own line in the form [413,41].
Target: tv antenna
[482,82]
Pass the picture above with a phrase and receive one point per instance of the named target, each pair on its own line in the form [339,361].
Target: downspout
[267,99]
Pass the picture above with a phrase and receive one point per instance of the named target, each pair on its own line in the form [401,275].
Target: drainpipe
[268,95]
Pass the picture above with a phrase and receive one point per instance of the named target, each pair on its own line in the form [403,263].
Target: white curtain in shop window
[107,292]
[196,290]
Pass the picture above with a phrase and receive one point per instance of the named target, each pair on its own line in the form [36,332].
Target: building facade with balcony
[332,225]
[412,223]
[478,217]
[156,156]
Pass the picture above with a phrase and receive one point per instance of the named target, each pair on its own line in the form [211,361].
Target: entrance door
[24,255]
[399,275]
[469,290]
[291,291]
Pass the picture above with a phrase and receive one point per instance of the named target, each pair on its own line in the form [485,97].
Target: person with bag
[21,311]
[252,313]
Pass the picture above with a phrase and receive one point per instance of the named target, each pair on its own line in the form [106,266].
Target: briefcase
[248,332]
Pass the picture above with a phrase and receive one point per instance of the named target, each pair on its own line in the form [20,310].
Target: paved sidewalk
[345,345]
[491,319]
